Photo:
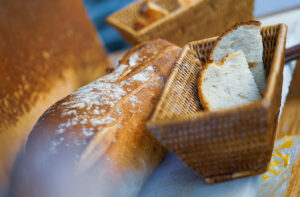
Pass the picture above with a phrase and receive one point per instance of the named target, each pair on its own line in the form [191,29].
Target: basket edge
[279,54]
[263,102]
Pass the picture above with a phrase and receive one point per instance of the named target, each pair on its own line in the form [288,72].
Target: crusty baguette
[97,135]
[226,84]
[246,37]
[47,50]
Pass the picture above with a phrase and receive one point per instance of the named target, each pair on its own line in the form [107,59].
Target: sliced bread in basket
[247,38]
[227,83]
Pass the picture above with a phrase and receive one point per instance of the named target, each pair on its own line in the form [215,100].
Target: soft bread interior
[247,38]
[259,74]
[227,83]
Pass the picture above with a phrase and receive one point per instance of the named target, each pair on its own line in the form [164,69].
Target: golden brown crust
[148,48]
[203,100]
[251,22]
[103,129]
[39,41]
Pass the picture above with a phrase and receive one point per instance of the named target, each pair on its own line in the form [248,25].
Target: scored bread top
[227,83]
[108,100]
[40,40]
[102,125]
[243,36]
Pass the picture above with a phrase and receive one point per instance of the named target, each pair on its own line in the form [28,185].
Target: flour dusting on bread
[103,94]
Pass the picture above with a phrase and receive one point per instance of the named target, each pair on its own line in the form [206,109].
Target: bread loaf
[228,83]
[47,50]
[94,142]
[246,37]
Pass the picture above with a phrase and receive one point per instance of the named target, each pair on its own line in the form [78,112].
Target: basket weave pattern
[226,144]
[200,19]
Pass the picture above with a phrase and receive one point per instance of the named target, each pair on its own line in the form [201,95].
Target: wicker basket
[200,19]
[226,144]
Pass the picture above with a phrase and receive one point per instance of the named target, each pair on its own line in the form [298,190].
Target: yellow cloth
[275,181]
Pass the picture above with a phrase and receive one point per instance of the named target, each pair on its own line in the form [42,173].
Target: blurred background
[98,10]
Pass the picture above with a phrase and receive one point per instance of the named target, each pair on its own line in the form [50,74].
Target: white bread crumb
[227,84]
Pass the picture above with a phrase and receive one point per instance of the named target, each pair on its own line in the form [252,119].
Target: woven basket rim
[264,102]
[115,23]
[194,117]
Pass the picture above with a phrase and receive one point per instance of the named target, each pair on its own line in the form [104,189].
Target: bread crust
[115,142]
[220,37]
[201,96]
[45,47]
[254,55]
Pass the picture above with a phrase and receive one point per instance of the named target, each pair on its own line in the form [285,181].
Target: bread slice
[247,38]
[47,50]
[227,83]
[259,74]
